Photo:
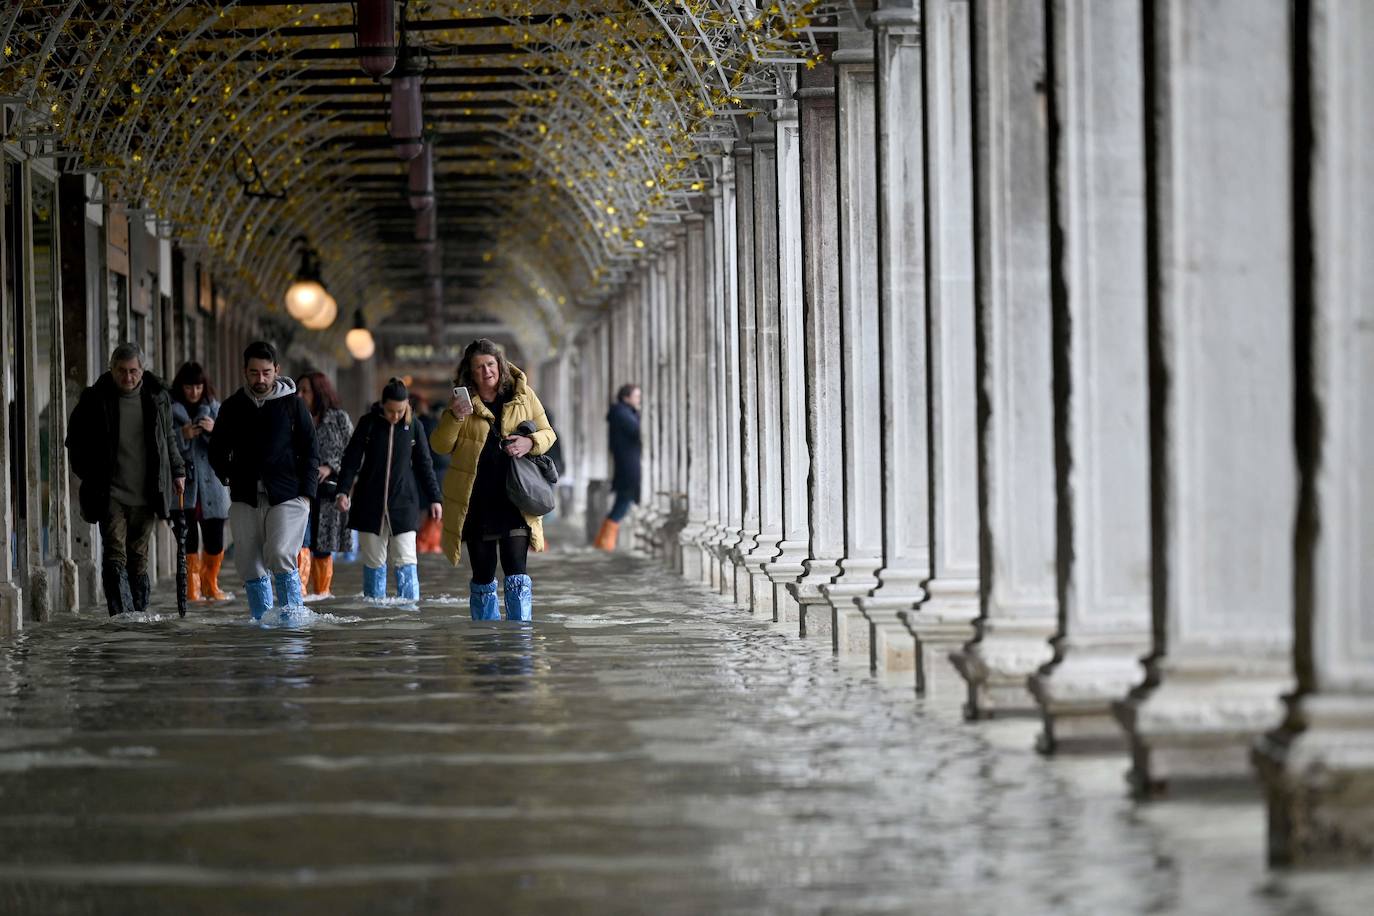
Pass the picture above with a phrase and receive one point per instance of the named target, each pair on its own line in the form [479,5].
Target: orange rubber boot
[606,537]
[193,577]
[322,575]
[303,568]
[209,577]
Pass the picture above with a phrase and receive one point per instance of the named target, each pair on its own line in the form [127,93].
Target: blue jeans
[621,508]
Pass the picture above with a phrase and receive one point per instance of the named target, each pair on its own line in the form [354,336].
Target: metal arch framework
[608,109]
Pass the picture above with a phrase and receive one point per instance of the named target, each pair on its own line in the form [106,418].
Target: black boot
[141,588]
[118,597]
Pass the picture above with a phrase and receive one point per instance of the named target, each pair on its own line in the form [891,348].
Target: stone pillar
[39,591]
[794,461]
[729,381]
[696,391]
[11,590]
[902,331]
[945,621]
[1020,602]
[79,341]
[821,296]
[1319,766]
[748,375]
[860,340]
[715,368]
[1104,619]
[769,383]
[1226,485]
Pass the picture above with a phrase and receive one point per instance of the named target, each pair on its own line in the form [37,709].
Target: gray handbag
[529,483]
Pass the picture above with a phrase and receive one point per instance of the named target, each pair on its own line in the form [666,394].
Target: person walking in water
[264,447]
[386,469]
[123,447]
[479,433]
[195,410]
[622,421]
[328,525]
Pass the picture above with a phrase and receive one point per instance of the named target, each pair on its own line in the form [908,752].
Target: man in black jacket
[264,450]
[123,447]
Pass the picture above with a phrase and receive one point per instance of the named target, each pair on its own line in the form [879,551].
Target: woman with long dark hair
[205,504]
[504,421]
[328,524]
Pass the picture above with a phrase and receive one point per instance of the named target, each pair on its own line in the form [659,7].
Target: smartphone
[461,394]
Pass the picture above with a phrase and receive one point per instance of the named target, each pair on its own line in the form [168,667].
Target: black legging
[513,550]
[209,529]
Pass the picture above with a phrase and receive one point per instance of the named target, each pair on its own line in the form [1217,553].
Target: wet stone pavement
[642,748]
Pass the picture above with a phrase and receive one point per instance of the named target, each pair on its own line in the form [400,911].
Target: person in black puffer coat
[386,471]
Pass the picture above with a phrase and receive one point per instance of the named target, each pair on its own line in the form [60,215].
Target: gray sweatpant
[266,537]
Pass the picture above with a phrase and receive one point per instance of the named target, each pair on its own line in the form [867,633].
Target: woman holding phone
[478,432]
[205,504]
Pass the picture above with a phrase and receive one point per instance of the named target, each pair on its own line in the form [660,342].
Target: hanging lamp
[359,341]
[375,24]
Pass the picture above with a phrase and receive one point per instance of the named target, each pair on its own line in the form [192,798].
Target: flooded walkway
[641,749]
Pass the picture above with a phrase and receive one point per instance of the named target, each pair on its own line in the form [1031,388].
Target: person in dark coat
[195,410]
[123,447]
[386,472]
[622,421]
[264,449]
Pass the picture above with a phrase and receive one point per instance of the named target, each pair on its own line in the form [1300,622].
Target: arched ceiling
[567,136]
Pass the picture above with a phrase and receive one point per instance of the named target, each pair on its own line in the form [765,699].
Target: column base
[1318,773]
[785,569]
[691,553]
[943,624]
[739,558]
[40,598]
[1076,693]
[998,662]
[893,645]
[11,609]
[725,555]
[1199,725]
[814,614]
[851,630]
[71,587]
[760,586]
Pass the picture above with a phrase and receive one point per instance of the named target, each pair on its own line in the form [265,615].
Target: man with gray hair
[123,447]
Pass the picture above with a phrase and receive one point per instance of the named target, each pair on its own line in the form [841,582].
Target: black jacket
[623,421]
[405,448]
[93,442]
[274,443]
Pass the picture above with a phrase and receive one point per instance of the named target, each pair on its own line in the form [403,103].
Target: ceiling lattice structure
[567,136]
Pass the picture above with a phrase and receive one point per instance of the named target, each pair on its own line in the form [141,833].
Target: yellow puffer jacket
[463,440]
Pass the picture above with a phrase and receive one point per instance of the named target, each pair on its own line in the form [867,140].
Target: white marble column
[1020,603]
[860,341]
[902,326]
[729,380]
[696,393]
[748,374]
[679,363]
[1226,482]
[11,592]
[786,568]
[769,383]
[1319,767]
[1104,619]
[715,336]
[821,297]
[945,621]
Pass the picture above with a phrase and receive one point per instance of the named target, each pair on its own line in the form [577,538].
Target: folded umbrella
[179,526]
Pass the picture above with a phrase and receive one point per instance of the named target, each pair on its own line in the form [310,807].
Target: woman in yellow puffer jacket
[482,441]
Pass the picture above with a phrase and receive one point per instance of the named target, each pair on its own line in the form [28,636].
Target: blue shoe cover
[519,598]
[482,601]
[374,581]
[289,589]
[259,596]
[408,582]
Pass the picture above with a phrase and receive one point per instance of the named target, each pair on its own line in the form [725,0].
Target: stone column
[794,461]
[769,383]
[1226,485]
[715,523]
[902,330]
[11,591]
[678,363]
[1319,766]
[729,381]
[861,343]
[39,592]
[1104,619]
[695,391]
[748,375]
[659,443]
[1020,602]
[821,295]
[945,621]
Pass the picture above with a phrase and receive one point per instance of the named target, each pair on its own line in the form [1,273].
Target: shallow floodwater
[641,748]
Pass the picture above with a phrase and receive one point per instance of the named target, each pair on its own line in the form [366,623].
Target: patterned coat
[332,433]
[202,486]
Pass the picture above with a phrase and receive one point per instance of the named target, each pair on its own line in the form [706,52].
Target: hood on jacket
[150,383]
[281,389]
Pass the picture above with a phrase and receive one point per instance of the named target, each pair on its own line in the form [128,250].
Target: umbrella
[179,526]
